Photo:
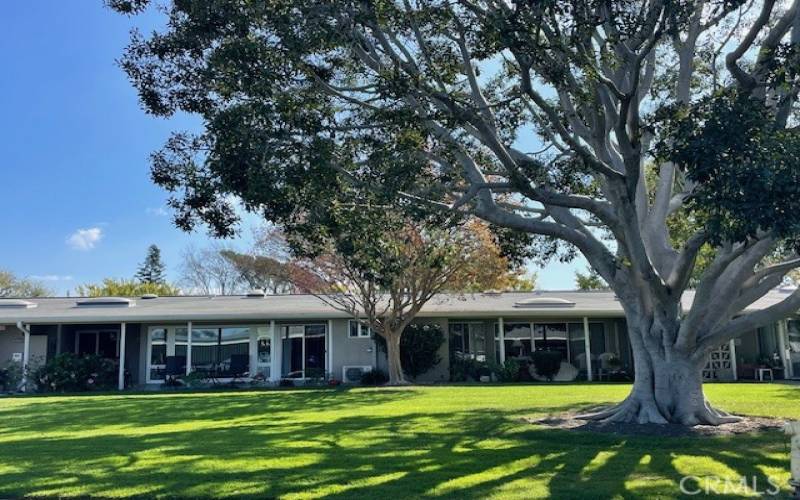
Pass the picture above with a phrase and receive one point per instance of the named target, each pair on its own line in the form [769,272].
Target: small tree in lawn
[384,277]
[152,269]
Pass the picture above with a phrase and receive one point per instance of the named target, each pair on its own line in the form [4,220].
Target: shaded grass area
[458,441]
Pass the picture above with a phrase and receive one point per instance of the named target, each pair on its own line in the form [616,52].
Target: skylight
[16,304]
[544,302]
[105,301]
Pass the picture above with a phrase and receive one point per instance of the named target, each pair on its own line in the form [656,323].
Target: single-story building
[275,337]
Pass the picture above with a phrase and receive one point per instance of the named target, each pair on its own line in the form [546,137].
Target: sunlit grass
[458,441]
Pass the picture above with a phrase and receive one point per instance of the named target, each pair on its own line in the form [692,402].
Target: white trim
[362,331]
[276,353]
[588,345]
[734,366]
[783,334]
[26,353]
[121,375]
[329,348]
[147,366]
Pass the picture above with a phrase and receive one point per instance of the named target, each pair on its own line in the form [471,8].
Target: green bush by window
[70,373]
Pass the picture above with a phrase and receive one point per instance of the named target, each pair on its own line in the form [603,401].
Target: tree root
[636,411]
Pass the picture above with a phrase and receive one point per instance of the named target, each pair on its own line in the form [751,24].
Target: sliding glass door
[304,351]
[219,351]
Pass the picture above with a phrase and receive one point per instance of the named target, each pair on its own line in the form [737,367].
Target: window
[213,348]
[103,343]
[468,340]
[551,337]
[518,340]
[521,339]
[358,330]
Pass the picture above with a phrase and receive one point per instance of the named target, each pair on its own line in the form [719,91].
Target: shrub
[506,372]
[374,377]
[68,372]
[286,382]
[464,369]
[546,363]
[194,379]
[419,348]
[10,376]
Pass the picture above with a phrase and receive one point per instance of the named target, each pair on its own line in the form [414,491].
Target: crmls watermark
[715,485]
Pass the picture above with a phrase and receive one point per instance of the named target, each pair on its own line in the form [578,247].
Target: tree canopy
[541,118]
[12,285]
[111,287]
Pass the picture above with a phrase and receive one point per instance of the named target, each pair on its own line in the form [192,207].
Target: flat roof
[545,304]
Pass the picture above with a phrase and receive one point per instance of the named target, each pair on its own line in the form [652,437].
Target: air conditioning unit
[353,374]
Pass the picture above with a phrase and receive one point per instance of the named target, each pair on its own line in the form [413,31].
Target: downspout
[26,350]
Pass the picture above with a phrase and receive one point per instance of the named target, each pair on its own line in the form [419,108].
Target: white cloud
[158,211]
[85,239]
[53,277]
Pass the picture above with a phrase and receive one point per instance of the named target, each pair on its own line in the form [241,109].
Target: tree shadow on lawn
[296,444]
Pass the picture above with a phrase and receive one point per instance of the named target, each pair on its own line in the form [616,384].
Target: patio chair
[175,368]
[239,366]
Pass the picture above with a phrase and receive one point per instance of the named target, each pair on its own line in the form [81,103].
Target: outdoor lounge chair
[175,368]
[239,366]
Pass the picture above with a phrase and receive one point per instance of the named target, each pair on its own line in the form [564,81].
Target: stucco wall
[348,351]
[12,340]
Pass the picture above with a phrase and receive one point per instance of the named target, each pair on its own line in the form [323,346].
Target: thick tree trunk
[668,388]
[396,376]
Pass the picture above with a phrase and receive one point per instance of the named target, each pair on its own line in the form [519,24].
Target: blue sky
[77,202]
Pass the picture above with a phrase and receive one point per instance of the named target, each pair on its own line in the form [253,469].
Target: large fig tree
[592,123]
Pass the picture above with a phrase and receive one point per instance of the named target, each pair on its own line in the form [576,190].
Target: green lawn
[466,441]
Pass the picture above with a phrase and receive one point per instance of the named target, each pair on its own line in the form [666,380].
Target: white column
[275,353]
[253,351]
[501,334]
[58,339]
[783,334]
[329,348]
[121,375]
[26,354]
[188,348]
[734,366]
[587,342]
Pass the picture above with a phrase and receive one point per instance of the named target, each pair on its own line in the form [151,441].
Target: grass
[458,441]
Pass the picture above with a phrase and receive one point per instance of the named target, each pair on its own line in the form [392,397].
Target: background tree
[111,287]
[385,277]
[14,286]
[590,281]
[208,272]
[442,105]
[270,266]
[152,269]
